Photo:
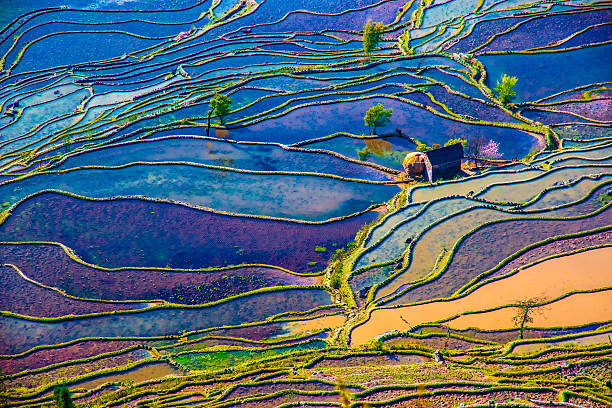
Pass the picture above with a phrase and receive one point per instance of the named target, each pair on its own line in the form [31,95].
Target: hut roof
[445,154]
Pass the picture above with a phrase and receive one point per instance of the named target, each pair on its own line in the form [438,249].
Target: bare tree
[524,315]
[473,148]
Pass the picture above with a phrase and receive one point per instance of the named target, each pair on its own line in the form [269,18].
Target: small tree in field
[479,148]
[473,148]
[62,397]
[505,89]
[220,106]
[377,116]
[524,313]
[490,150]
[372,34]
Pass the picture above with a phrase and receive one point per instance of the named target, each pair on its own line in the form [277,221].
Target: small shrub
[62,397]
[455,141]
[423,148]
[530,155]
[339,252]
[375,345]
[403,43]
[335,279]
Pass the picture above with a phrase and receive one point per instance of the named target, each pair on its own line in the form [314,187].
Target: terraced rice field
[195,210]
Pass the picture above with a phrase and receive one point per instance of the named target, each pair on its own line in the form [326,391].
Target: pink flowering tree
[480,148]
[490,150]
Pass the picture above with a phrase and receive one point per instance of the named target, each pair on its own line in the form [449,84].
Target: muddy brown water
[303,326]
[580,341]
[548,279]
[139,374]
[575,310]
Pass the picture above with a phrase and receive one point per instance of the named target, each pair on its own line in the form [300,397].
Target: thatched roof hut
[414,164]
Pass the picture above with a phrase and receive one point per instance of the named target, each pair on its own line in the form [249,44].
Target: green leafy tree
[377,116]
[220,106]
[372,34]
[62,397]
[505,89]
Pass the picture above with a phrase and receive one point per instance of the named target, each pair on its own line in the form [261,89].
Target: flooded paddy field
[284,203]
